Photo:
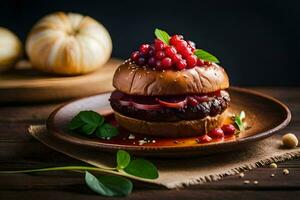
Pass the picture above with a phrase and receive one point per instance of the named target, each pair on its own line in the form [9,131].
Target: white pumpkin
[10,49]
[68,44]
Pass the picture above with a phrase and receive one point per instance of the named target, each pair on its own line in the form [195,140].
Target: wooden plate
[26,85]
[265,115]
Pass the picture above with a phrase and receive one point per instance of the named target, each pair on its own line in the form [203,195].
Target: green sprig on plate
[114,184]
[201,54]
[239,120]
[90,122]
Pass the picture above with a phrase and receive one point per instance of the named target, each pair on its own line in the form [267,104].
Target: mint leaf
[108,185]
[239,123]
[91,117]
[123,159]
[88,129]
[205,56]
[106,131]
[76,123]
[142,168]
[89,122]
[162,35]
[238,120]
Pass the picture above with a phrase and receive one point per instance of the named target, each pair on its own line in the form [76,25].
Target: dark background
[258,42]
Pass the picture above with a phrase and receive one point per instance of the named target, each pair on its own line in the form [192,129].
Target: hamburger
[170,89]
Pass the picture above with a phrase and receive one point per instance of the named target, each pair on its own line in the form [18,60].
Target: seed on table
[241,175]
[272,175]
[286,171]
[273,165]
[131,137]
[289,140]
[246,181]
[255,182]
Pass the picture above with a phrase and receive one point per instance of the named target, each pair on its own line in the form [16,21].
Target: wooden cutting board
[26,85]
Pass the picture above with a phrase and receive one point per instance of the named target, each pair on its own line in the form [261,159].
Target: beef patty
[215,104]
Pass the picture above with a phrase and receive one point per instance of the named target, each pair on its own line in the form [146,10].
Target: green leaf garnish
[142,168]
[201,54]
[238,120]
[123,159]
[90,122]
[242,115]
[162,35]
[109,185]
[76,123]
[106,131]
[91,117]
[88,129]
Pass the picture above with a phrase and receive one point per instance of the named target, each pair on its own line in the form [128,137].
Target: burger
[170,89]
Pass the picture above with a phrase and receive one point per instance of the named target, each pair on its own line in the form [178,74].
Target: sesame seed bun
[135,80]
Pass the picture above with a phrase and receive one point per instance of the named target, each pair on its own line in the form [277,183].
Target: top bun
[135,80]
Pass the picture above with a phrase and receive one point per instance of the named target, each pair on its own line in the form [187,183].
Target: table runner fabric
[178,173]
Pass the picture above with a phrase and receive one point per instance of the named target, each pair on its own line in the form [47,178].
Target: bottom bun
[183,128]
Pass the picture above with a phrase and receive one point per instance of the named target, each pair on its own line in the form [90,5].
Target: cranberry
[191,49]
[216,133]
[158,64]
[141,61]
[180,37]
[152,62]
[152,47]
[160,55]
[181,64]
[192,44]
[176,58]
[228,129]
[151,50]
[159,45]
[175,39]
[192,101]
[191,61]
[205,138]
[208,63]
[186,52]
[166,62]
[135,56]
[170,51]
[181,46]
[200,62]
[144,49]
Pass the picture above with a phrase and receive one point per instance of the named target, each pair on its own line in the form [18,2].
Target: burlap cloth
[175,173]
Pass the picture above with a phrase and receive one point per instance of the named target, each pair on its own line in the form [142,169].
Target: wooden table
[19,150]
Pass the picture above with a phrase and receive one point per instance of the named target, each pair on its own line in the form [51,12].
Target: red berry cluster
[218,133]
[227,129]
[178,55]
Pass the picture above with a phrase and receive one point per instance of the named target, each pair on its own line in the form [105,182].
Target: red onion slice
[125,102]
[178,105]
[146,106]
